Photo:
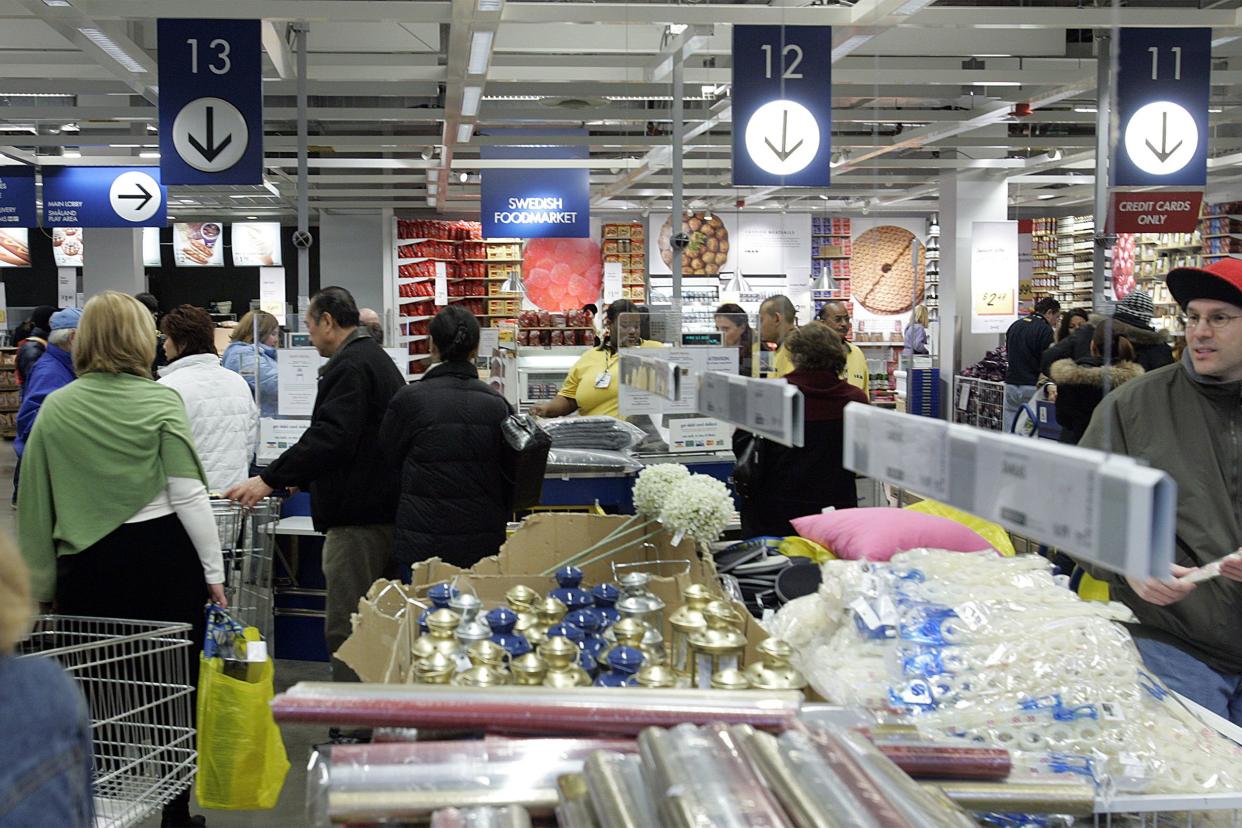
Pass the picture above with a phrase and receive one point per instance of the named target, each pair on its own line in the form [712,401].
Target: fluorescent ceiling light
[849,45]
[34,95]
[995,83]
[470,97]
[16,128]
[1221,41]
[271,188]
[1085,109]
[152,128]
[71,153]
[676,28]
[112,49]
[913,6]
[149,154]
[70,128]
[489,5]
[1215,109]
[480,52]
[251,218]
[57,4]
[464,131]
[1046,196]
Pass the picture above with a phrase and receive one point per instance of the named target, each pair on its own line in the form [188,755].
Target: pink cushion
[876,534]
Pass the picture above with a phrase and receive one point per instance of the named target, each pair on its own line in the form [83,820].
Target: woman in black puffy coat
[445,431]
[1082,383]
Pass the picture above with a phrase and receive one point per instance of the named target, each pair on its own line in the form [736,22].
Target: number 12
[790,73]
[1155,61]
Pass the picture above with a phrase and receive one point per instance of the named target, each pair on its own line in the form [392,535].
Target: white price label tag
[441,283]
[612,282]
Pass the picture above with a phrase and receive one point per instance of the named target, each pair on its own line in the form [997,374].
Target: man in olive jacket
[1186,419]
[353,487]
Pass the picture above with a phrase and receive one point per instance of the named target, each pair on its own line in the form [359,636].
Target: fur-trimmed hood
[1069,372]
[1138,337]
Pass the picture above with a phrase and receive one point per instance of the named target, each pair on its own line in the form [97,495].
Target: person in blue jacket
[53,370]
[239,357]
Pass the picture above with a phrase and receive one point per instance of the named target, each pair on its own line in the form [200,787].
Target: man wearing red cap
[1187,420]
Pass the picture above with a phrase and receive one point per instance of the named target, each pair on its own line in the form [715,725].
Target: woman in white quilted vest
[223,417]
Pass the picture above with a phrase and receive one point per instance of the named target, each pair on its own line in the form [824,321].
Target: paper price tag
[612,282]
[441,283]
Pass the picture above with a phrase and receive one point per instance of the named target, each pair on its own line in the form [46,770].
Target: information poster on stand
[272,291]
[993,276]
[694,362]
[298,372]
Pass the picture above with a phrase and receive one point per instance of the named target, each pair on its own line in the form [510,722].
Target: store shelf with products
[10,393]
[626,244]
[700,296]
[473,268]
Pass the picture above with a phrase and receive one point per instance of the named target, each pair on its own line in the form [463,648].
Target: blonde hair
[919,317]
[116,336]
[16,606]
[244,332]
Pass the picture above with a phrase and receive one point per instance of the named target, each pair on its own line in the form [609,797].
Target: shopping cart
[248,543]
[135,676]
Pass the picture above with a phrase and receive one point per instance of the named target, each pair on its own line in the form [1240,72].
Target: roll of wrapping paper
[618,792]
[1071,799]
[574,809]
[856,780]
[366,783]
[808,805]
[747,776]
[508,816]
[932,761]
[698,783]
[535,710]
[916,805]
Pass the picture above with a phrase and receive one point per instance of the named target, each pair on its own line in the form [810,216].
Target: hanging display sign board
[1163,88]
[14,247]
[211,101]
[993,276]
[1106,509]
[769,408]
[103,197]
[272,291]
[524,203]
[782,105]
[297,370]
[691,363]
[17,197]
[1156,212]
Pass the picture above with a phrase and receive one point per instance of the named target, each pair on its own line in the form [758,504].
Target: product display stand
[10,393]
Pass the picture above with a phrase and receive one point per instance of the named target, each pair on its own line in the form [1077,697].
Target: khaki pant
[354,557]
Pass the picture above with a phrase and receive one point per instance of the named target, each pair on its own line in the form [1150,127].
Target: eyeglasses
[1214,320]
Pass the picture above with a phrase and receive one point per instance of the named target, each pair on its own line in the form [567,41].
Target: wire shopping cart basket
[248,543]
[135,676]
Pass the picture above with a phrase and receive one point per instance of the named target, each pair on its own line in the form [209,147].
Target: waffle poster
[993,276]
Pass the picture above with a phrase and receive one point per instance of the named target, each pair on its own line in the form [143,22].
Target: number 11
[1155,61]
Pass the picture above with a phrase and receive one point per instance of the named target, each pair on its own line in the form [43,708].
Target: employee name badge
[604,379]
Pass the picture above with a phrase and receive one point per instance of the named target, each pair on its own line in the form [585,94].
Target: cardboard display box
[387,618]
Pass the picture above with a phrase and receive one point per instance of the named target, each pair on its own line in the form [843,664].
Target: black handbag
[745,477]
[525,459]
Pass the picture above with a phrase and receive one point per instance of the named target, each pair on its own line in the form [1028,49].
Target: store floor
[290,811]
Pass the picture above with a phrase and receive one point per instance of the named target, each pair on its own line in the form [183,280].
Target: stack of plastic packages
[592,444]
[991,368]
[994,651]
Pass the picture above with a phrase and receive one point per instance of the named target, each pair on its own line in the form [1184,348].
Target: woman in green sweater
[113,514]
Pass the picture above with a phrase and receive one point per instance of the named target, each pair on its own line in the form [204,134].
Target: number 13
[222,53]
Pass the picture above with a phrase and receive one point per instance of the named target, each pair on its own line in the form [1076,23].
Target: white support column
[353,251]
[965,197]
[113,261]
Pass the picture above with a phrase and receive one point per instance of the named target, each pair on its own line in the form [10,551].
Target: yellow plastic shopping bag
[241,757]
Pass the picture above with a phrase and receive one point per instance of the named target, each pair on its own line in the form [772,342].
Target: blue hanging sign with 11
[782,105]
[211,102]
[1163,88]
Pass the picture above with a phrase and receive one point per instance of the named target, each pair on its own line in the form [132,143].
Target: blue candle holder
[441,595]
[623,664]
[568,591]
[502,621]
[605,597]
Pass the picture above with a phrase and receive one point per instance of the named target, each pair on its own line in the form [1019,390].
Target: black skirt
[146,571]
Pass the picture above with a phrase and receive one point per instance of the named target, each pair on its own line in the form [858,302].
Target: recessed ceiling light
[149,154]
[251,218]
[57,4]
[480,52]
[1085,109]
[464,177]
[70,153]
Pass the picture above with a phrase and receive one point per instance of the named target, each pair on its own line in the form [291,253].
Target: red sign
[1155,212]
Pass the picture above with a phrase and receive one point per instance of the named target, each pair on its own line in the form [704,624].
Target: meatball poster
[759,244]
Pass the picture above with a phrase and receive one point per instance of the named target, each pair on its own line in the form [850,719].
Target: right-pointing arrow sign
[142,194]
[195,129]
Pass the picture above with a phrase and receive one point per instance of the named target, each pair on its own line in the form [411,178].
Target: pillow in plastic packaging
[605,433]
[577,461]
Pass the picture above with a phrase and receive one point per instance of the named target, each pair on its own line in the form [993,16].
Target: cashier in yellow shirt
[590,388]
[836,315]
[777,319]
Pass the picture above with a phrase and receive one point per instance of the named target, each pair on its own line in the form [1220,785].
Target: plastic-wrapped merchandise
[933,761]
[365,783]
[993,651]
[618,791]
[607,433]
[503,816]
[594,461]
[534,710]
[696,780]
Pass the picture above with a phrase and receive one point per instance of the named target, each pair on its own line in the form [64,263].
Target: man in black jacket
[353,487]
[1131,319]
[1025,342]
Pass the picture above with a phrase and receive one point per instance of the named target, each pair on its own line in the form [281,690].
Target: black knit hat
[1136,310]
